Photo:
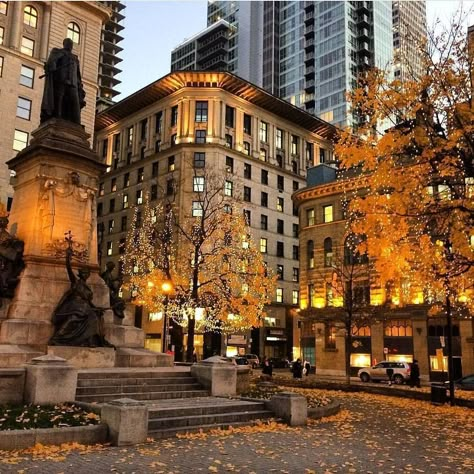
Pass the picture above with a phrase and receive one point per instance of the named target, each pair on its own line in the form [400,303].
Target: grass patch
[26,417]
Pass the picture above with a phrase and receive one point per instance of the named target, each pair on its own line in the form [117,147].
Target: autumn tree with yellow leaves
[219,279]
[414,150]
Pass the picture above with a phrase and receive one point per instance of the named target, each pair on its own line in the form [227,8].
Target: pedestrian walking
[414,374]
[297,369]
[390,375]
[307,367]
[267,370]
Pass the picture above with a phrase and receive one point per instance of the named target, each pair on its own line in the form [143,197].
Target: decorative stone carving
[114,283]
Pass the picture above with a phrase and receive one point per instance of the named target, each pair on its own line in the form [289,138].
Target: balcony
[363,21]
[207,54]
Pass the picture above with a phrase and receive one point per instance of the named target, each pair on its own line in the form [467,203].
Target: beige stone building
[28,30]
[406,331]
[154,139]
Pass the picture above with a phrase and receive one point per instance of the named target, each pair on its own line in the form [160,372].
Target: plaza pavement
[371,434]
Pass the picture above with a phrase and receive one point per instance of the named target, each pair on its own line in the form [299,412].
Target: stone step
[158,424]
[200,409]
[171,432]
[132,374]
[140,381]
[126,389]
[105,397]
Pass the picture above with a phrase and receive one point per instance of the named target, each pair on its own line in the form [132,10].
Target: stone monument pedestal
[55,187]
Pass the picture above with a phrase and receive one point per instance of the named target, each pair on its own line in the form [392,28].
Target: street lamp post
[166,288]
[447,286]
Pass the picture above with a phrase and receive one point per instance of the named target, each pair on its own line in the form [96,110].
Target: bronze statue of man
[63,95]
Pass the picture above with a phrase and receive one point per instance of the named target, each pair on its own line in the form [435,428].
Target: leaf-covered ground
[371,434]
[24,417]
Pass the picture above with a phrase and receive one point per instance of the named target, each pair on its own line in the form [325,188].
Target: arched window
[30,16]
[328,252]
[310,254]
[74,32]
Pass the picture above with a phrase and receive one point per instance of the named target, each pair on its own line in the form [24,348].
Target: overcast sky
[154,28]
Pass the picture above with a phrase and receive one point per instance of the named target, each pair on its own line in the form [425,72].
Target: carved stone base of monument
[126,357]
[16,355]
[85,357]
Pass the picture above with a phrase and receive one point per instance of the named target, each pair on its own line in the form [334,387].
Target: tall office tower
[409,27]
[28,31]
[208,50]
[109,50]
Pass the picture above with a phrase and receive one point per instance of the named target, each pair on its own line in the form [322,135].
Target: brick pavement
[373,434]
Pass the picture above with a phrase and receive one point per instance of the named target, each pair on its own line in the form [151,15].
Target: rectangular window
[264,199]
[296,185]
[112,205]
[142,152]
[330,336]
[228,140]
[247,194]
[140,196]
[263,154]
[296,230]
[23,108]
[125,201]
[247,148]
[310,217]
[27,46]
[279,272]
[295,297]
[294,145]
[263,222]
[174,116]
[143,129]
[197,209]
[200,136]
[229,188]
[229,116]
[296,252]
[3,8]
[20,140]
[157,146]
[280,249]
[279,295]
[171,164]
[174,137]
[2,34]
[129,136]
[198,184]
[247,171]
[280,204]
[101,189]
[247,216]
[247,124]
[100,209]
[170,187]
[263,135]
[1,66]
[154,169]
[280,226]
[263,245]
[126,180]
[116,141]
[322,155]
[279,139]
[158,122]
[27,76]
[140,175]
[264,177]
[201,111]
[328,214]
[123,224]
[280,183]
[113,185]
[296,274]
[309,153]
[229,164]
[110,248]
[154,192]
[111,226]
[199,160]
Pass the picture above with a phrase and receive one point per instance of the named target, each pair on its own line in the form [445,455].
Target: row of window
[328,215]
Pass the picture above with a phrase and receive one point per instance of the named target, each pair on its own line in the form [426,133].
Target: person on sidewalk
[414,374]
[307,367]
[267,371]
[390,375]
[297,369]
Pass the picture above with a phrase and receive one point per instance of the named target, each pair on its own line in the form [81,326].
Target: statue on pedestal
[114,283]
[77,321]
[11,260]
[63,95]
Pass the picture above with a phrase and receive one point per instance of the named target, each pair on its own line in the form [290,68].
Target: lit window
[74,32]
[279,295]
[201,111]
[2,34]
[279,138]
[30,16]
[263,245]
[263,132]
[198,184]
[20,140]
[140,196]
[3,8]
[27,46]
[228,188]
[295,297]
[280,204]
[125,201]
[294,145]
[247,148]
[327,252]
[310,216]
[140,175]
[101,189]
[328,214]
[229,164]
[279,272]
[263,154]
[109,248]
[296,274]
[197,209]
[171,164]
[310,254]
[23,108]
[111,226]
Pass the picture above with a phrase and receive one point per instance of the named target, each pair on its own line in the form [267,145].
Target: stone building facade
[397,333]
[153,139]
[28,31]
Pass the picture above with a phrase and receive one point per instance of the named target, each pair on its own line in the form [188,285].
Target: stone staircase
[177,403]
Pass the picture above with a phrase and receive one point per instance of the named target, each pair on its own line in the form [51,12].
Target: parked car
[254,361]
[465,383]
[401,372]
[239,360]
[279,363]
